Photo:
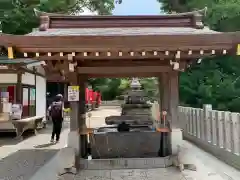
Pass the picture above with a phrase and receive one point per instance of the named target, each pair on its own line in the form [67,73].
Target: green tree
[215,80]
[18,17]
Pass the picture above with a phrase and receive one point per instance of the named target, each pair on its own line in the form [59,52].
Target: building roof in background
[6,61]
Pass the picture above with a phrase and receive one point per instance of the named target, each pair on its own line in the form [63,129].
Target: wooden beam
[56,77]
[122,70]
[136,55]
[8,71]
[122,75]
[171,42]
[111,63]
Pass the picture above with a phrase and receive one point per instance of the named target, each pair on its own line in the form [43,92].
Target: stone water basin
[140,142]
[113,128]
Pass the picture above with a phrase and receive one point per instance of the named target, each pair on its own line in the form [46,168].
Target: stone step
[126,163]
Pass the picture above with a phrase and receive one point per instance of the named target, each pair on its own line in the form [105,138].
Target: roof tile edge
[188,19]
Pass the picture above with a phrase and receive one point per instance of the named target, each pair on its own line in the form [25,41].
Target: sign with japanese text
[73,93]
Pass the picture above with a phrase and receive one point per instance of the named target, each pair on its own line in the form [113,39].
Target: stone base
[74,141]
[126,163]
[176,140]
[112,145]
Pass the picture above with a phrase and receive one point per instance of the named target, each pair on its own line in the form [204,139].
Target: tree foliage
[215,80]
[18,17]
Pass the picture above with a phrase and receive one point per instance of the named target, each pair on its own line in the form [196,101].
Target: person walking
[56,114]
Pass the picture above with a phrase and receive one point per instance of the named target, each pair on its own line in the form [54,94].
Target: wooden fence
[217,132]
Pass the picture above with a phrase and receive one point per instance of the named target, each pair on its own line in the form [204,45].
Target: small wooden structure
[23,82]
[82,47]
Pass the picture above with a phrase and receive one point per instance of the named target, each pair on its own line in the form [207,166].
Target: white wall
[40,70]
[41,96]
[8,78]
[28,78]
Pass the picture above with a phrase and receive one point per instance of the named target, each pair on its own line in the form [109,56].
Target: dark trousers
[57,127]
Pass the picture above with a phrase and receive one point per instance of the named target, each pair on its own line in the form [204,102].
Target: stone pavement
[130,174]
[209,165]
[21,160]
[34,159]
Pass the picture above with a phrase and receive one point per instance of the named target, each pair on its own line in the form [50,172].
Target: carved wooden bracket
[198,18]
[44,23]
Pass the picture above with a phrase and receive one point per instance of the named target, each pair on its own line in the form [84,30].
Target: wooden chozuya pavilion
[81,47]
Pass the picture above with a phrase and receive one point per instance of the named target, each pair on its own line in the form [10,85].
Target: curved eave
[151,42]
[175,15]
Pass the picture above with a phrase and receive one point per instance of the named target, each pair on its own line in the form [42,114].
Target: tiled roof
[6,61]
[122,31]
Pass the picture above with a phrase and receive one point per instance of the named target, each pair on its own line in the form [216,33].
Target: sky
[133,7]
[137,7]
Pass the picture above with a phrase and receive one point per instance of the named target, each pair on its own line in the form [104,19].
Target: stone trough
[140,142]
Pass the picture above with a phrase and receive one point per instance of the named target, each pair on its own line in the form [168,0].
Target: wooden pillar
[35,85]
[73,137]
[58,88]
[164,92]
[169,96]
[82,117]
[65,93]
[169,102]
[174,98]
[74,104]
[19,94]
[165,143]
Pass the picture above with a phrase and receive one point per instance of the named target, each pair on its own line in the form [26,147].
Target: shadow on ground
[44,145]
[23,164]
[8,138]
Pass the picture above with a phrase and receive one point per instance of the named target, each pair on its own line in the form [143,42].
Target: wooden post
[174,98]
[58,88]
[169,103]
[164,94]
[73,137]
[169,89]
[165,144]
[82,117]
[74,105]
[35,84]
[19,88]
[65,93]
